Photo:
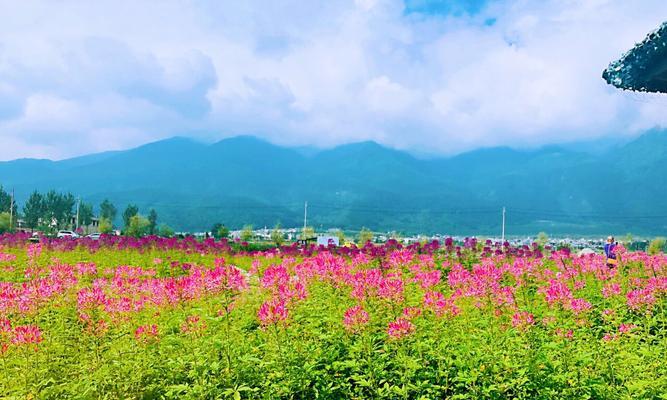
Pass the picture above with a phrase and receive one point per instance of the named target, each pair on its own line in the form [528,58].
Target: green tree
[5,222]
[247,233]
[542,239]
[152,222]
[165,231]
[396,236]
[85,215]
[365,235]
[108,211]
[340,235]
[138,226]
[105,226]
[628,241]
[277,236]
[308,233]
[6,202]
[657,245]
[58,209]
[34,210]
[130,211]
[219,231]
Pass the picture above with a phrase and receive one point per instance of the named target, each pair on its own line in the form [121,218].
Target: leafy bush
[657,245]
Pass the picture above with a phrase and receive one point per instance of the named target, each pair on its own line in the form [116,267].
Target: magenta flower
[626,328]
[640,298]
[428,279]
[611,289]
[400,328]
[355,318]
[579,305]
[26,334]
[273,311]
[146,333]
[193,325]
[523,320]
[437,303]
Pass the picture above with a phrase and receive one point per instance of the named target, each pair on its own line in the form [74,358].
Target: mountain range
[245,180]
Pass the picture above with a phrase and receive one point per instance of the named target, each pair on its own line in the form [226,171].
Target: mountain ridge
[245,179]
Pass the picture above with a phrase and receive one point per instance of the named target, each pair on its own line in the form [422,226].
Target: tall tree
[152,222]
[277,236]
[138,226]
[308,232]
[85,215]
[5,225]
[130,211]
[6,202]
[365,236]
[108,211]
[247,233]
[58,209]
[34,210]
[219,231]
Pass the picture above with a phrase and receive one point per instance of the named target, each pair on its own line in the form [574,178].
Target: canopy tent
[644,67]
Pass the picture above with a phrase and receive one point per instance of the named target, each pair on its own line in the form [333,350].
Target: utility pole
[11,211]
[503,234]
[78,207]
[305,217]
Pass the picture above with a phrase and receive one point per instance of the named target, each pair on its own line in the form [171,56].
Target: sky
[432,77]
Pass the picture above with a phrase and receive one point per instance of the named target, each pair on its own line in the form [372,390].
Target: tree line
[53,211]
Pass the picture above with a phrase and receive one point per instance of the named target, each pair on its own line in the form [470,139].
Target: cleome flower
[400,328]
[355,318]
[273,311]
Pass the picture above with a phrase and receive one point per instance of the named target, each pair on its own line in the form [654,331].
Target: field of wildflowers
[157,318]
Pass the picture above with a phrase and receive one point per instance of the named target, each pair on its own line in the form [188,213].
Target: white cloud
[79,76]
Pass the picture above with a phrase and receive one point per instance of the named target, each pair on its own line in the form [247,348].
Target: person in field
[610,252]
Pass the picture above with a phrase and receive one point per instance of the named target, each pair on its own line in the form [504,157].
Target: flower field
[156,318]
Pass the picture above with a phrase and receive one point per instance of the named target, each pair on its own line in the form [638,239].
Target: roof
[644,67]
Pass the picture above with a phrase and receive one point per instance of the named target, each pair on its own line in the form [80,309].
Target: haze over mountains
[244,180]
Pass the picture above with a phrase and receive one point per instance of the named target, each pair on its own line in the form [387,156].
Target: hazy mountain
[246,180]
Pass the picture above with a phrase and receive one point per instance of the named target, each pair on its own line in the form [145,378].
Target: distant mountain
[247,180]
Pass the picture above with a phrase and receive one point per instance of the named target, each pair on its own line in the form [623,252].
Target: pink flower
[569,334]
[275,276]
[26,334]
[626,328]
[579,305]
[193,324]
[355,317]
[611,289]
[556,293]
[427,279]
[412,312]
[5,326]
[146,333]
[522,320]
[640,298]
[391,289]
[578,285]
[400,328]
[272,311]
[608,337]
[437,303]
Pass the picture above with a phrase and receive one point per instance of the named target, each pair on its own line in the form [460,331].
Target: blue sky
[436,77]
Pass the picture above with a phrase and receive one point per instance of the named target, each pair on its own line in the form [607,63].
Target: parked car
[35,237]
[69,234]
[94,236]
